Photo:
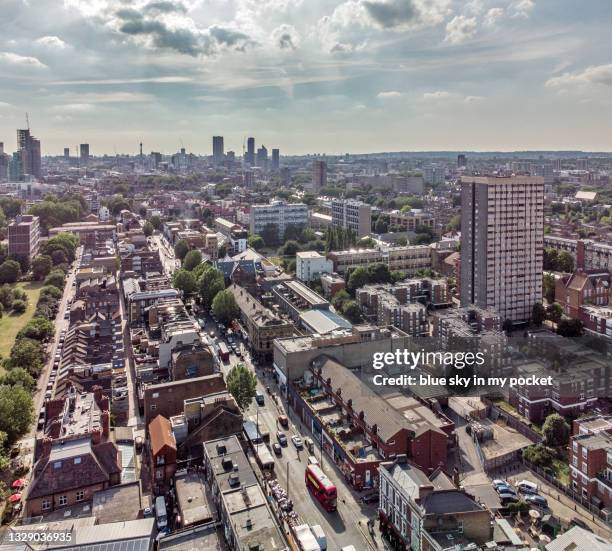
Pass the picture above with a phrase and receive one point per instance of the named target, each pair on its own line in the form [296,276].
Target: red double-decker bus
[321,487]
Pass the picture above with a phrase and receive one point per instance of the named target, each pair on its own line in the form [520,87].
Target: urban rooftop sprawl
[240,350]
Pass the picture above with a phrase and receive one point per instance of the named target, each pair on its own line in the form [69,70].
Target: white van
[527,487]
[160,513]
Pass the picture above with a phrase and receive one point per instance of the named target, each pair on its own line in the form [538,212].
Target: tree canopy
[242,384]
[225,307]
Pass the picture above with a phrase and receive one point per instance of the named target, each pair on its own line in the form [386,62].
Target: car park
[297,442]
[281,437]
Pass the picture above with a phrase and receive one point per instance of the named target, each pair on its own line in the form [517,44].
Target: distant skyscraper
[250,154]
[218,150]
[4,164]
[502,234]
[248,179]
[29,150]
[319,175]
[461,161]
[66,153]
[275,159]
[262,157]
[84,154]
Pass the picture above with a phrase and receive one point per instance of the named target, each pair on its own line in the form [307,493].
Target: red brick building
[162,447]
[360,428]
[590,460]
[581,288]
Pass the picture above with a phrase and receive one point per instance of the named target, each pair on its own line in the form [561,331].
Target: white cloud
[73,108]
[391,94]
[492,16]
[459,29]
[51,42]
[286,37]
[113,81]
[522,8]
[473,99]
[4,105]
[597,74]
[21,60]
[437,95]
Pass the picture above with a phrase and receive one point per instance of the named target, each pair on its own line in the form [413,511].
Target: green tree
[381,225]
[556,431]
[147,229]
[379,273]
[38,328]
[18,376]
[570,328]
[9,271]
[225,307]
[181,249]
[359,277]
[184,281]
[6,296]
[41,266]
[56,278]
[538,313]
[351,311]
[210,283]
[339,299]
[192,259]
[156,222]
[19,306]
[29,354]
[270,234]
[16,411]
[10,206]
[565,262]
[256,242]
[290,248]
[242,384]
[554,312]
[548,283]
[508,326]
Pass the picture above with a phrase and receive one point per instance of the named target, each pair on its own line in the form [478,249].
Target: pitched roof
[160,431]
[74,464]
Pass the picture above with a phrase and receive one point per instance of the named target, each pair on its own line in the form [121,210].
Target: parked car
[537,500]
[506,497]
[281,437]
[505,489]
[259,398]
[277,449]
[499,482]
[284,422]
[297,442]
[527,487]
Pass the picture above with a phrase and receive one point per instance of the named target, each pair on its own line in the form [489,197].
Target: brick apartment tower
[502,242]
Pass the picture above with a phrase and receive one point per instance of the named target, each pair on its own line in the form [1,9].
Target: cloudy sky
[328,76]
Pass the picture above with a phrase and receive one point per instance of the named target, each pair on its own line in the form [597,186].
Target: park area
[11,323]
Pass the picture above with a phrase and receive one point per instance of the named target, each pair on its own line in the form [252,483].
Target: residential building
[162,450]
[279,215]
[427,512]
[589,255]
[262,324]
[359,428]
[353,215]
[590,461]
[502,231]
[294,298]
[582,288]
[408,259]
[24,236]
[412,220]
[310,265]
[319,176]
[240,502]
[168,399]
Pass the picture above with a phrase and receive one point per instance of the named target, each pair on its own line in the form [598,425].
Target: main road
[348,525]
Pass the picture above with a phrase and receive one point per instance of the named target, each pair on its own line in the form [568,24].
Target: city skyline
[320,77]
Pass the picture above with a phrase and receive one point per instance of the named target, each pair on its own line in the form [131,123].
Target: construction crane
[27,121]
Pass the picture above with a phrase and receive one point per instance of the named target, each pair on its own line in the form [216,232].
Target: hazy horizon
[322,76]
